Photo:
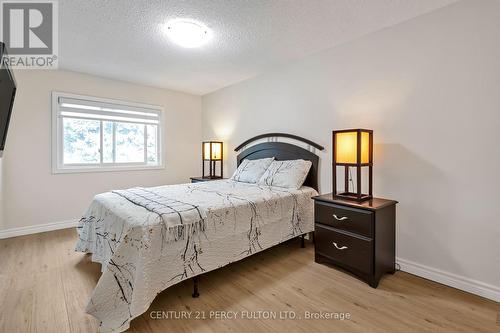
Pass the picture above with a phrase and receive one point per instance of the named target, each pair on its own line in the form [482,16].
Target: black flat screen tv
[7,94]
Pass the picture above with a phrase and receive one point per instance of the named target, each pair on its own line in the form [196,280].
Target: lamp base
[353,196]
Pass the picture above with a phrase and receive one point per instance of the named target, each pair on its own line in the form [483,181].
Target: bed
[148,239]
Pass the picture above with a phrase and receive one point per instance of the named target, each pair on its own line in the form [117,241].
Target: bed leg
[302,244]
[196,279]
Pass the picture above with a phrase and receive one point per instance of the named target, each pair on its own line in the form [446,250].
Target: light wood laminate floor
[44,287]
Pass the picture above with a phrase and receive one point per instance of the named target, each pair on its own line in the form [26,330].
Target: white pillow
[289,174]
[250,171]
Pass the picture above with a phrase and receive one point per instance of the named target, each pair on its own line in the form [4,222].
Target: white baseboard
[34,229]
[469,285]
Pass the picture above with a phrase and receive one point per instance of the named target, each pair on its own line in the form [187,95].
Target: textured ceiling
[122,39]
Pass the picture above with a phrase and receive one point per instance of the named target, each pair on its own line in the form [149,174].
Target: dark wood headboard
[282,151]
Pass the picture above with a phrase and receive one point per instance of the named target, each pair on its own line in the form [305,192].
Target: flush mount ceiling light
[187,33]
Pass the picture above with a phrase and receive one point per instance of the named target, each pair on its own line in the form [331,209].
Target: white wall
[430,90]
[32,195]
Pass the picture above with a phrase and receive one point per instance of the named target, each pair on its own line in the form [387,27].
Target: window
[94,134]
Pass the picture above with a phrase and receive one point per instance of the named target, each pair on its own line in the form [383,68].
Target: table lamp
[353,148]
[211,152]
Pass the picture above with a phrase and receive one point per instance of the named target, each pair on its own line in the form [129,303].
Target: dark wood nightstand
[357,236]
[201,179]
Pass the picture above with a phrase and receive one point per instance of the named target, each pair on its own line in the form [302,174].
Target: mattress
[148,239]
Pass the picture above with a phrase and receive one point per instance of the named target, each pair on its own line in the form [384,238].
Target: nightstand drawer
[352,220]
[355,252]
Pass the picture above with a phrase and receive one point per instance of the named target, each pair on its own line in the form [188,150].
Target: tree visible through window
[93,134]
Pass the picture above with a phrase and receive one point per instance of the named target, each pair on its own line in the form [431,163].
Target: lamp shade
[347,147]
[212,151]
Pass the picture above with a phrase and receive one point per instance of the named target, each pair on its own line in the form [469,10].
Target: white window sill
[80,169]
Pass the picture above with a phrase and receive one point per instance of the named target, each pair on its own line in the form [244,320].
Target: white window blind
[98,134]
[78,108]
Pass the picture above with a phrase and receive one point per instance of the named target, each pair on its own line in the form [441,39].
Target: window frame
[57,146]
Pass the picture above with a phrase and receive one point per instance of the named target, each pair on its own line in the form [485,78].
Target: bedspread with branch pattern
[148,239]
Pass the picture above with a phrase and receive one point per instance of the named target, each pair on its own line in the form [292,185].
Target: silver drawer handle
[339,218]
[340,248]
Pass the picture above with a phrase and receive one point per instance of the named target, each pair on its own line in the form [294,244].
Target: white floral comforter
[148,239]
